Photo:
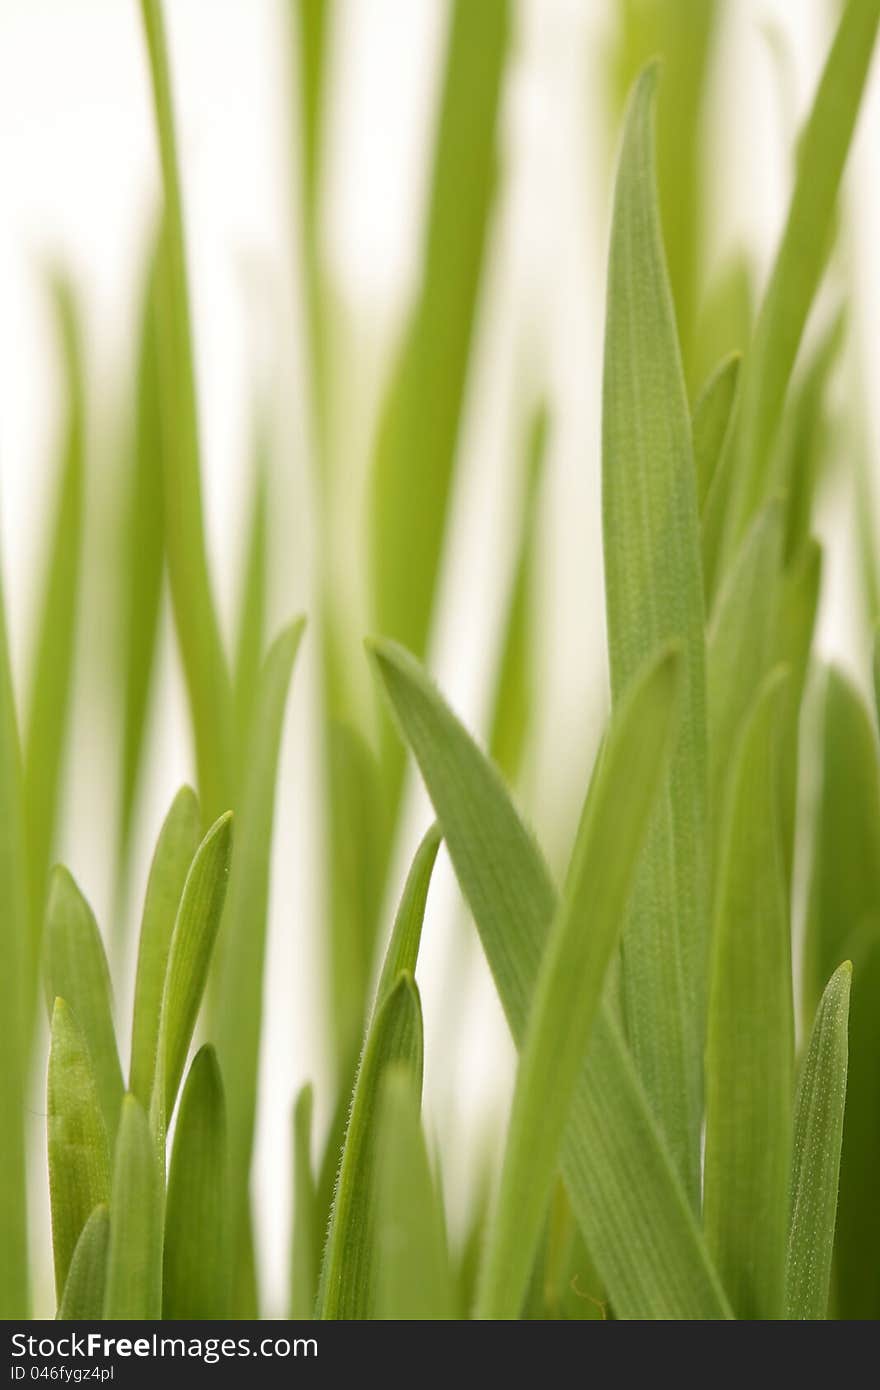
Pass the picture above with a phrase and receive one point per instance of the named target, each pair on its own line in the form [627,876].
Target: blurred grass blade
[654,594]
[189,956]
[251,624]
[134,1259]
[630,1204]
[568,990]
[305,1255]
[712,414]
[799,603]
[817,1132]
[348,1273]
[83,1298]
[79,1156]
[198,630]
[803,448]
[415,1279]
[724,323]
[48,714]
[750,1049]
[175,850]
[196,1259]
[76,971]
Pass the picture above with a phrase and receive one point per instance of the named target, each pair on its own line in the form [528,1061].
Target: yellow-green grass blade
[572,1290]
[252,597]
[83,1298]
[798,606]
[402,952]
[196,1266]
[750,1048]
[79,1154]
[568,990]
[654,594]
[76,971]
[724,322]
[305,1250]
[803,449]
[415,1281]
[630,1203]
[819,1120]
[133,1290]
[198,631]
[711,419]
[174,853]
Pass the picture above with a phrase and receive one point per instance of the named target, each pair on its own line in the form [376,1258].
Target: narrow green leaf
[175,850]
[817,1133]
[630,1204]
[568,990]
[196,1266]
[83,1299]
[803,449]
[414,1278]
[403,947]
[76,971]
[134,1259]
[305,1254]
[711,420]
[750,1049]
[79,1156]
[654,594]
[798,606]
[251,624]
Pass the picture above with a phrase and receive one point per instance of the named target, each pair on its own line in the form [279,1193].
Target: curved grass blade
[305,1252]
[76,971]
[198,630]
[83,1299]
[568,990]
[414,1279]
[750,1049]
[134,1258]
[817,1134]
[79,1156]
[175,850]
[654,594]
[712,414]
[629,1201]
[195,1282]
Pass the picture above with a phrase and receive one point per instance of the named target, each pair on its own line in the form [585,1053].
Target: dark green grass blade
[134,1259]
[83,1299]
[654,594]
[196,1269]
[305,1249]
[818,1125]
[712,414]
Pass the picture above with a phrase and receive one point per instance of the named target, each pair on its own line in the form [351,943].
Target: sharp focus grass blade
[305,1252]
[134,1258]
[711,419]
[568,990]
[403,947]
[76,971]
[415,1280]
[629,1202]
[817,1133]
[83,1299]
[79,1155]
[196,1266]
[654,594]
[750,1050]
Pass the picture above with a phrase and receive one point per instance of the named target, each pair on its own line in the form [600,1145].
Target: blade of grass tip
[14,986]
[798,605]
[174,853]
[819,1118]
[568,989]
[654,594]
[51,685]
[414,1278]
[196,1267]
[514,687]
[76,971]
[189,956]
[198,630]
[304,1241]
[79,1155]
[242,944]
[629,1201]
[744,473]
[750,1047]
[251,625]
[711,420]
[83,1298]
[133,1289]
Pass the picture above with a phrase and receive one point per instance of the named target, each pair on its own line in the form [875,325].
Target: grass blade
[629,1202]
[750,1050]
[568,989]
[83,1299]
[712,414]
[654,594]
[251,625]
[817,1134]
[76,971]
[134,1259]
[196,1261]
[799,603]
[403,947]
[804,445]
[305,1252]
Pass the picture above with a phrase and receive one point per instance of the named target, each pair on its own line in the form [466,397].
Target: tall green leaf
[83,1298]
[196,1267]
[654,594]
[133,1289]
[305,1255]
